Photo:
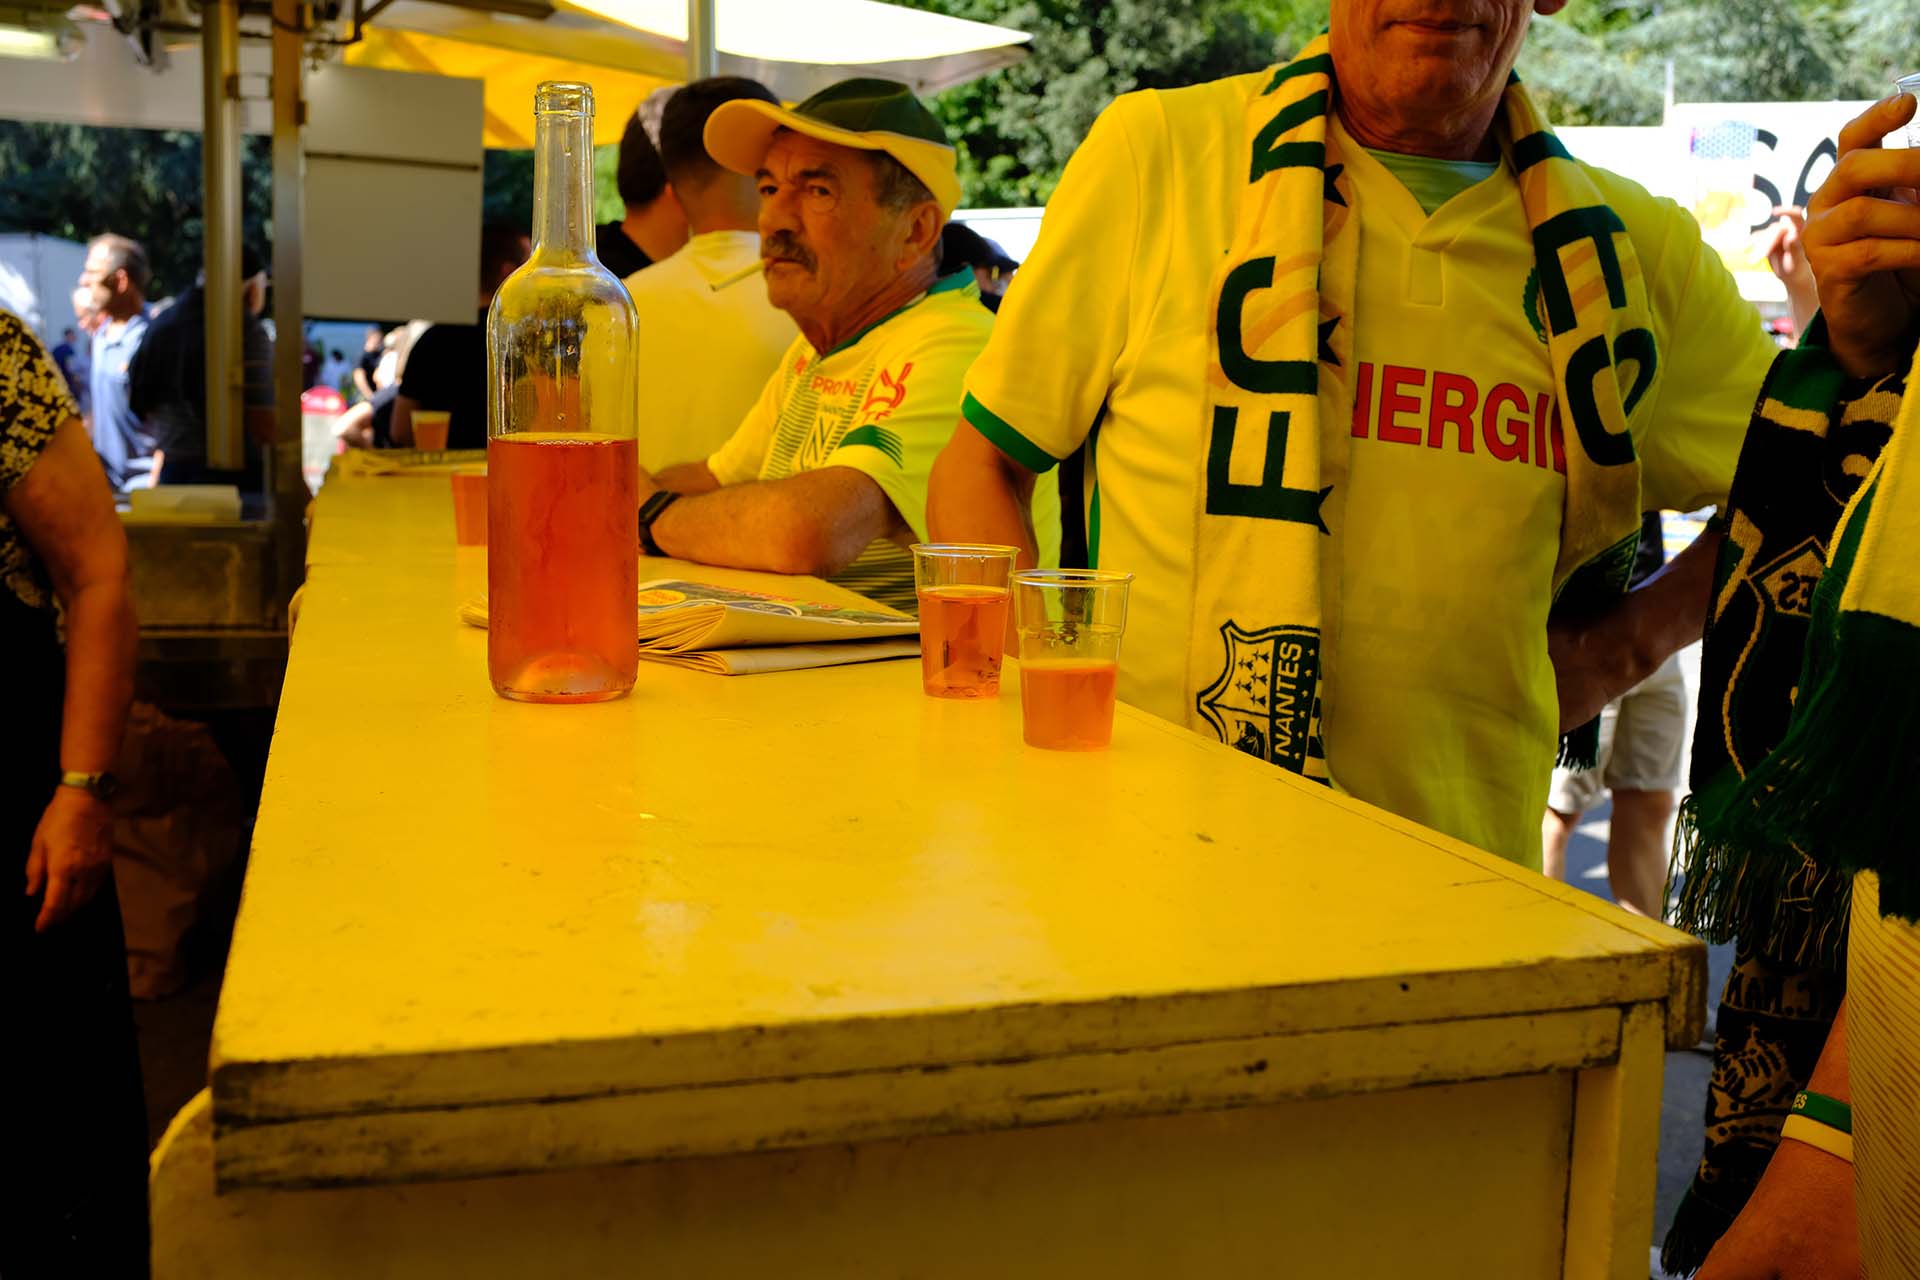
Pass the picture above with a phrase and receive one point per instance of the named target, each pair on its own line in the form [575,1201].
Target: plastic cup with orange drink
[430,429]
[1070,622]
[963,594]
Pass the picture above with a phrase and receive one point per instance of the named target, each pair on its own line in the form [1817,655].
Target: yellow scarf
[1281,343]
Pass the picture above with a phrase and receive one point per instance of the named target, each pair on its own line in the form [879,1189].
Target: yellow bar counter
[808,975]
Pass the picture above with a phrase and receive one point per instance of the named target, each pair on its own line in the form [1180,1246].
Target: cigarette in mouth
[744,273]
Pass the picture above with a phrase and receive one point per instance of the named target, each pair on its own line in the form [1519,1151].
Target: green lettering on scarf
[1249,373]
[1271,499]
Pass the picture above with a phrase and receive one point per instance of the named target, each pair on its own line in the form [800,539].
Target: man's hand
[1799,1224]
[72,854]
[1863,240]
[1590,669]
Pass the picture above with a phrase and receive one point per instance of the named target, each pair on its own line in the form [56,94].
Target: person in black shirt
[447,368]
[654,226]
[167,383]
[962,246]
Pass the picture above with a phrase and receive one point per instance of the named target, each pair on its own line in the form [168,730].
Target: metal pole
[703,55]
[289,224]
[220,219]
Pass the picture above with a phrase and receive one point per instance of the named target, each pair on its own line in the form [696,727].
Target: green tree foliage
[76,182]
[1605,61]
[1017,127]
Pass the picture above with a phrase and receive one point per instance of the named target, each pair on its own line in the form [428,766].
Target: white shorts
[1642,742]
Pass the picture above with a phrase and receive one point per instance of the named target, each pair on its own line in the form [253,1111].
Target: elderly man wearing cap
[827,473]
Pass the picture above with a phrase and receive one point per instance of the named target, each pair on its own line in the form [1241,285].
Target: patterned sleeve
[34,400]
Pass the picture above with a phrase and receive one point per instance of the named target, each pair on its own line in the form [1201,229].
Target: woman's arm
[64,510]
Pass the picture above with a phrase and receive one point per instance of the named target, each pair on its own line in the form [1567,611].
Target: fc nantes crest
[1266,701]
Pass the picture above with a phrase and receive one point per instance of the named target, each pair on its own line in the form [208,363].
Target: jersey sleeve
[34,400]
[1715,355]
[907,414]
[1037,389]
[741,458]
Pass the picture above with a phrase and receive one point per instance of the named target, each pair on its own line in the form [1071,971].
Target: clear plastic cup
[430,429]
[470,508]
[1910,84]
[1070,623]
[963,592]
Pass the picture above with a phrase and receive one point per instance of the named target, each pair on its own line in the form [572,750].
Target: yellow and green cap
[866,114]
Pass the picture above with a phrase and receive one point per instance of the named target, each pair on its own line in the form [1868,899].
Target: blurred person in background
[962,246]
[335,373]
[76,1142]
[72,360]
[369,424]
[371,350]
[1781,243]
[447,367]
[114,279]
[169,383]
[653,226]
[732,336]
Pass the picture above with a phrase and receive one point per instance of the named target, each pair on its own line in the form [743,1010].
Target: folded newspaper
[732,632]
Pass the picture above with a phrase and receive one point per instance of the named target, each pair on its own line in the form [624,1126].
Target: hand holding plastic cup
[470,508]
[430,429]
[963,591]
[1070,622]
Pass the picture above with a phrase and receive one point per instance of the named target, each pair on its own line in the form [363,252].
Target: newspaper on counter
[732,632]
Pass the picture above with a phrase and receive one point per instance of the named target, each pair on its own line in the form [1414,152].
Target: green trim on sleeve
[1006,437]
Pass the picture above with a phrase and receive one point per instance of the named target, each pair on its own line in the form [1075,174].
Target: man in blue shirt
[115,279]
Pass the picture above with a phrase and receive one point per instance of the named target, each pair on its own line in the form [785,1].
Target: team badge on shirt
[1266,701]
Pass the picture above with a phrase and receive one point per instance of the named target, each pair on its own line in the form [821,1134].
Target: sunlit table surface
[740,914]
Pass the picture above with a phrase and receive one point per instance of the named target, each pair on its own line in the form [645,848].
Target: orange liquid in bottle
[1067,704]
[563,566]
[962,631]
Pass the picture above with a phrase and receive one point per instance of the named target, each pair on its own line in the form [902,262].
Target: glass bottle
[562,460]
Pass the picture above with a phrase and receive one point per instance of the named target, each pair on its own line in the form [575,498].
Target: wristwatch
[649,512]
[101,786]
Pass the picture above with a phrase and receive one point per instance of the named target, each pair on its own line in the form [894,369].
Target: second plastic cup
[470,508]
[430,429]
[1910,84]
[963,616]
[1070,623]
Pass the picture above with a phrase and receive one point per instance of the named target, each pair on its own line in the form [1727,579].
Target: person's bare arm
[400,425]
[979,494]
[817,522]
[687,477]
[1800,1223]
[64,510]
[1598,659]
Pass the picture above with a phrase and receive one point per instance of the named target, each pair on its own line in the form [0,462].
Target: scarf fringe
[1839,783]
[1761,893]
[1697,1226]
[1580,748]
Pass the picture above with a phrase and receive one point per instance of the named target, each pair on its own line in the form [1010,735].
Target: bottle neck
[563,184]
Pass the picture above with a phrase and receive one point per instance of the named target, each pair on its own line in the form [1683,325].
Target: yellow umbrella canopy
[626,49]
[509,80]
